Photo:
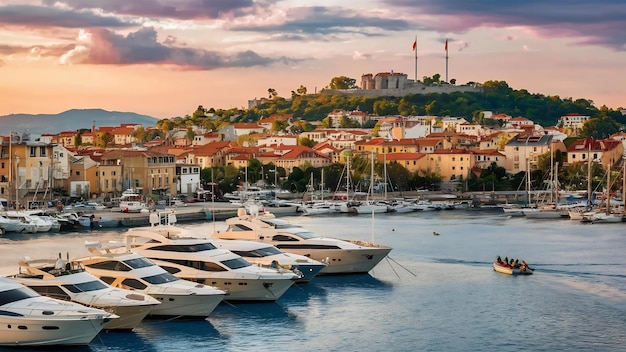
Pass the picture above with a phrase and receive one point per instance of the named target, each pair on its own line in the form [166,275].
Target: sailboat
[317,207]
[607,216]
[369,206]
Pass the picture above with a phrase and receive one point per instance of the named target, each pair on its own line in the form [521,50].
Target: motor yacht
[29,319]
[269,256]
[198,259]
[342,256]
[67,280]
[179,298]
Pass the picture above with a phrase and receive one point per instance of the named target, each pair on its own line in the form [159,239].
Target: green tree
[342,82]
[200,112]
[140,134]
[307,142]
[301,90]
[279,125]
[599,128]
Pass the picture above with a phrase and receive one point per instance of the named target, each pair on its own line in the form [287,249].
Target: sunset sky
[165,57]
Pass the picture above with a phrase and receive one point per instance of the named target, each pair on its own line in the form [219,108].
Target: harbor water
[434,293]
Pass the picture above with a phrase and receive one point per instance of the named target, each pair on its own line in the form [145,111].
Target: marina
[433,293]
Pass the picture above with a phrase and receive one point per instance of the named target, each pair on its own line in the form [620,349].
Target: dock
[193,212]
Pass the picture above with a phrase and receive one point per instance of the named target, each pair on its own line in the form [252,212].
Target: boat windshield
[160,278]
[16,294]
[236,263]
[259,253]
[86,286]
[186,248]
[307,235]
[139,263]
[278,223]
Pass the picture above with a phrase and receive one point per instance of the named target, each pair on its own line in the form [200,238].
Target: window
[133,283]
[42,151]
[110,265]
[52,291]
[33,151]
[77,173]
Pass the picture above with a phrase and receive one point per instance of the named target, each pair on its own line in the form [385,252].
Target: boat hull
[253,290]
[511,271]
[188,305]
[342,261]
[129,316]
[48,332]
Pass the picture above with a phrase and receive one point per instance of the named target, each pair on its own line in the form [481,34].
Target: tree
[271,92]
[165,125]
[140,134]
[301,90]
[342,82]
[200,112]
[279,125]
[307,142]
[599,128]
[190,135]
[105,139]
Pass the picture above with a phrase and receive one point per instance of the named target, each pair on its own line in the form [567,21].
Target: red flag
[415,44]
[446,44]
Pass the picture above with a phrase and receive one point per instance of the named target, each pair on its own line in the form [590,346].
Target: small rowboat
[507,269]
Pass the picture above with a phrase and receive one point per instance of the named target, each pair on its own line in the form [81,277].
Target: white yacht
[268,255]
[342,256]
[29,319]
[13,225]
[40,225]
[197,259]
[67,280]
[179,298]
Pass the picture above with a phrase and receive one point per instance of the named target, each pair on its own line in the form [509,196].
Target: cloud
[171,9]
[100,46]
[38,16]
[319,20]
[361,56]
[599,22]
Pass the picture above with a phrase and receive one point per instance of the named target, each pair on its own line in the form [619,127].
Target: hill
[70,120]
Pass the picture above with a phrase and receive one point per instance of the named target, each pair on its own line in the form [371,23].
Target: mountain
[70,120]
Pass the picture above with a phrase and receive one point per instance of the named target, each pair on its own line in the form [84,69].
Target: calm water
[436,293]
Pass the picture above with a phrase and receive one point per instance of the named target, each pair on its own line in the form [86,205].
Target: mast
[385,168]
[608,189]
[589,174]
[322,185]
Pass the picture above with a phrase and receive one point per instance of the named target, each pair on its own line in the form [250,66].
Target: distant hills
[70,120]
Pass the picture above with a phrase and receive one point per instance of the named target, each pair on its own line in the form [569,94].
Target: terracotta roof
[400,156]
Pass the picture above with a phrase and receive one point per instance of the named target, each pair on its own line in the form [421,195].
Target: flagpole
[416,59]
[446,60]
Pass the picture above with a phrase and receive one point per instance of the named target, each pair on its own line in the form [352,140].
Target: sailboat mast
[589,174]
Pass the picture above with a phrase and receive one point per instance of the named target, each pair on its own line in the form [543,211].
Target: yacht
[198,259]
[67,280]
[342,256]
[29,319]
[267,255]
[13,225]
[40,225]
[179,298]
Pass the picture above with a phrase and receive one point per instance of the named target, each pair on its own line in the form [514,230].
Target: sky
[164,58]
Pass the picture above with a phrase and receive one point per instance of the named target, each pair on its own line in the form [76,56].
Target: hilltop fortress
[397,84]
